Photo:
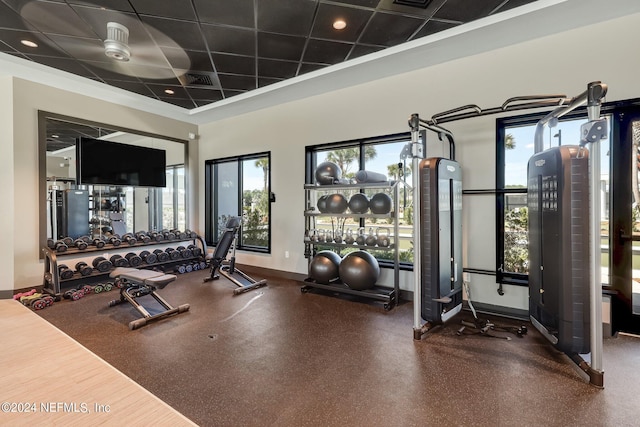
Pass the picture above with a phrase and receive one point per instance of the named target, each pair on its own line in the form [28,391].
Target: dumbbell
[158,237]
[80,244]
[179,234]
[98,243]
[180,269]
[102,264]
[60,246]
[83,268]
[51,244]
[68,241]
[119,261]
[65,272]
[73,294]
[188,268]
[168,235]
[196,251]
[114,240]
[191,234]
[162,255]
[148,257]
[195,266]
[173,253]
[184,252]
[129,239]
[203,265]
[143,237]
[134,260]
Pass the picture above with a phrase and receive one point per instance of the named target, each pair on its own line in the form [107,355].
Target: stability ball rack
[592,133]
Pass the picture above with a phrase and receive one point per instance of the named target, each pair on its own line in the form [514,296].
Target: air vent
[197,78]
[413,3]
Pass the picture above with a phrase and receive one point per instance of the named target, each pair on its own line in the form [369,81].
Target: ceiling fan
[116,41]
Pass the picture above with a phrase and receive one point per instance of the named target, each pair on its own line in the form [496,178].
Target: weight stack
[558,204]
[441,230]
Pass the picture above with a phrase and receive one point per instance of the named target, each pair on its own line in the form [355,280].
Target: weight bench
[228,268]
[135,283]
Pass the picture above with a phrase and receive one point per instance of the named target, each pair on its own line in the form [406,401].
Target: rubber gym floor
[276,357]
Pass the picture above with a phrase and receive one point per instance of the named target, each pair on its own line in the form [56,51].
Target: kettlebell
[371,239]
[349,239]
[382,237]
[337,236]
[360,239]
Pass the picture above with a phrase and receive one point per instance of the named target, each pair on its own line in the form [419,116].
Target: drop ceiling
[195,53]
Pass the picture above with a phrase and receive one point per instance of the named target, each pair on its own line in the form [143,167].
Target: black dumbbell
[51,244]
[102,264]
[173,254]
[181,235]
[203,265]
[158,237]
[74,294]
[134,260]
[168,235]
[68,241]
[143,237]
[196,251]
[98,243]
[83,268]
[65,272]
[190,234]
[61,246]
[188,268]
[180,269]
[129,239]
[148,257]
[195,266]
[119,261]
[80,244]
[162,255]
[114,240]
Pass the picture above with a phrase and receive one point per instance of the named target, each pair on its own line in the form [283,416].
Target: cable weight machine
[440,293]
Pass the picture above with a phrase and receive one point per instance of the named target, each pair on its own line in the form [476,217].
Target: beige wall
[7,192]
[25,269]
[562,63]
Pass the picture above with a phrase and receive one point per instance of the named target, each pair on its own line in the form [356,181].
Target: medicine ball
[322,203]
[359,270]
[337,204]
[328,173]
[324,267]
[380,203]
[359,203]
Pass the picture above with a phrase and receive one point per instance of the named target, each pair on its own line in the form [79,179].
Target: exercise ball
[324,267]
[337,204]
[327,173]
[359,270]
[380,203]
[322,204]
[359,203]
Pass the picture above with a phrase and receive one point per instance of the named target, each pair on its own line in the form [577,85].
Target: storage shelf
[357,186]
[380,293]
[345,245]
[348,215]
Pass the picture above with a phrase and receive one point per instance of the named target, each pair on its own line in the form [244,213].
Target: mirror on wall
[70,208]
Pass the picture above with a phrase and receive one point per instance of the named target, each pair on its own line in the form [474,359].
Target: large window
[239,186]
[515,147]
[380,155]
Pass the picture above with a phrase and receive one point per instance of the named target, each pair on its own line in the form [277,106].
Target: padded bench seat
[146,277]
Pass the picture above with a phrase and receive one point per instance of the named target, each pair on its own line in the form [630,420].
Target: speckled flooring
[277,357]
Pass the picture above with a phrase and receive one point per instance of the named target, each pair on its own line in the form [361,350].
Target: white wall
[562,63]
[19,126]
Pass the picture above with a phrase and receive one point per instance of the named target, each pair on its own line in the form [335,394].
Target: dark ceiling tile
[177,9]
[362,3]
[106,74]
[278,46]
[228,93]
[424,13]
[265,81]
[233,82]
[204,94]
[186,34]
[234,64]
[326,52]
[277,69]
[119,5]
[69,65]
[238,13]
[96,19]
[203,102]
[45,45]
[466,11]
[55,18]
[513,3]
[362,49]
[159,90]
[286,16]
[307,68]
[433,26]
[9,18]
[80,48]
[198,61]
[356,20]
[230,40]
[387,29]
[180,102]
[135,87]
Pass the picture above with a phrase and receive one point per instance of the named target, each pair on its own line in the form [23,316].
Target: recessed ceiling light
[339,24]
[29,43]
[54,136]
[169,92]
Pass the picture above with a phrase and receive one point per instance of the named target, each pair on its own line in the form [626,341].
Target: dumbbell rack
[389,296]
[53,283]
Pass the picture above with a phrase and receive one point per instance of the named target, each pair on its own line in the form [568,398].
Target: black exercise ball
[324,267]
[380,204]
[322,203]
[337,204]
[327,173]
[359,270]
[359,203]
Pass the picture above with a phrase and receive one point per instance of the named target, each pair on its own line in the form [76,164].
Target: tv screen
[111,163]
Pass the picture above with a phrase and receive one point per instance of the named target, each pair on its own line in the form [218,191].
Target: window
[239,186]
[514,148]
[380,155]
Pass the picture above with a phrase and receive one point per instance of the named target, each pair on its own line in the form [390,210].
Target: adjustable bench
[135,283]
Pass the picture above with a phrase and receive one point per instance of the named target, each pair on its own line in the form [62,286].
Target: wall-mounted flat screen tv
[112,163]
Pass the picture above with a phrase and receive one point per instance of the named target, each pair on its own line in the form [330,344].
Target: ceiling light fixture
[116,44]
[169,92]
[29,43]
[339,24]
